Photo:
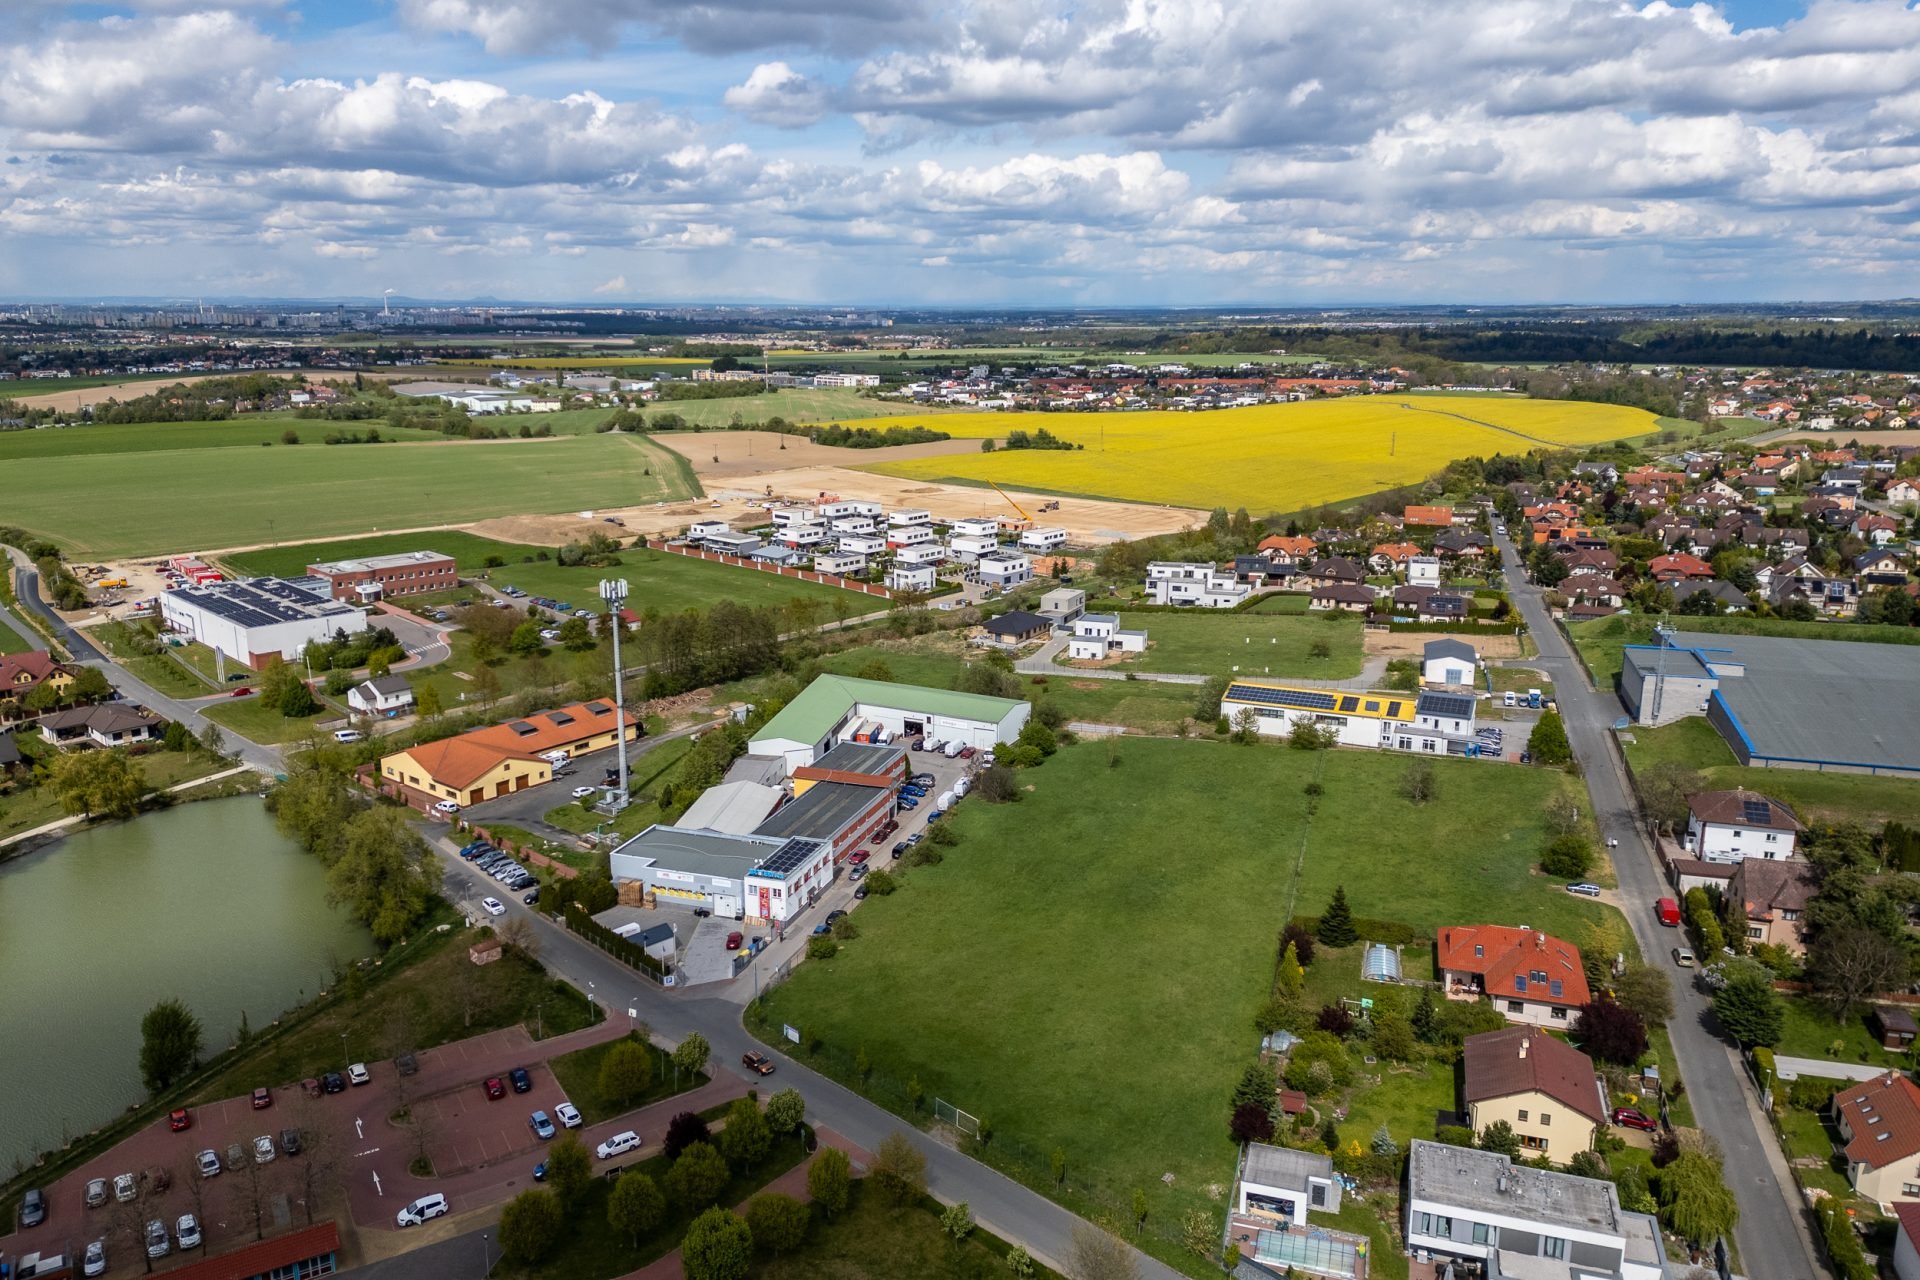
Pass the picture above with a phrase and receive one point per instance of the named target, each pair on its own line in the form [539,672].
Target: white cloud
[778,95]
[616,285]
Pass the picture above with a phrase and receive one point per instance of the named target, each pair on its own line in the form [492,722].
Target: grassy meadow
[1267,458]
[1249,644]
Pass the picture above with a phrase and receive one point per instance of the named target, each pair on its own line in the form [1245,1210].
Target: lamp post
[614,592]
[345,1057]
[486,1256]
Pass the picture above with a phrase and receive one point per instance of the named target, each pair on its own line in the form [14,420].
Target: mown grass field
[1600,642]
[102,505]
[1270,458]
[159,437]
[1105,1008]
[1815,797]
[1256,645]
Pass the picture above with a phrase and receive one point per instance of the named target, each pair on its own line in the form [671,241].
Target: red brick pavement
[791,1183]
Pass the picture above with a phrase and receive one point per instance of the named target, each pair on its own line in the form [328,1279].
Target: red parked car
[495,1089]
[858,857]
[1628,1118]
[241,692]
[180,1121]
[262,1098]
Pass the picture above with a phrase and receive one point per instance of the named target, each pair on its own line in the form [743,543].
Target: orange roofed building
[500,759]
[1530,976]
[1432,517]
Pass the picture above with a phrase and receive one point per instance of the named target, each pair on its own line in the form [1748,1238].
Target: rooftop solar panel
[1349,704]
[1305,699]
[790,856]
[1454,706]
[1758,812]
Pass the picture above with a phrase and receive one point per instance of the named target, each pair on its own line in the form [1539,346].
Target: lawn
[469,552]
[1140,939]
[1251,645]
[1599,642]
[158,669]
[30,807]
[1809,1032]
[99,505]
[424,995]
[159,437]
[579,1074]
[1816,797]
[12,641]
[255,721]
[645,774]
[1292,602]
[1268,458]
[874,1240]
[592,1250]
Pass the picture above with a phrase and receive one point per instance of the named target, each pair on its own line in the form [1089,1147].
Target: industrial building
[735,876]
[488,763]
[1426,723]
[258,620]
[373,578]
[834,709]
[1835,706]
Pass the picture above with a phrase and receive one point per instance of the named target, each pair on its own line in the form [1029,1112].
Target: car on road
[581,793]
[290,1142]
[618,1145]
[859,871]
[522,1082]
[540,1172]
[125,1187]
[262,1098]
[159,1245]
[242,692]
[1683,957]
[187,1231]
[568,1115]
[821,930]
[734,940]
[542,1125]
[263,1149]
[916,837]
[209,1163]
[446,806]
[1628,1118]
[96,1192]
[900,850]
[425,1209]
[95,1262]
[33,1207]
[860,892]
[757,1062]
[180,1120]
[493,906]
[496,1088]
[358,1074]
[1584,889]
[859,856]
[333,1082]
[349,735]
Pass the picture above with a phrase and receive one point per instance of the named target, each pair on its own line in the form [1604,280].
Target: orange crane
[1010,502]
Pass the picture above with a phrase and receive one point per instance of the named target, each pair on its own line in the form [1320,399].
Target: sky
[962,152]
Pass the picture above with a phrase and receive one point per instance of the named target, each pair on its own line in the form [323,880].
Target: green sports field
[1083,969]
[101,505]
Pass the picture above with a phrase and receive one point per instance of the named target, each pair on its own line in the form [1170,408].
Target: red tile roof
[1883,1115]
[1908,1211]
[1440,516]
[1502,956]
[457,761]
[262,1258]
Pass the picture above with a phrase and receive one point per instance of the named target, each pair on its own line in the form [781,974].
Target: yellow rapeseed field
[577,362]
[1268,458]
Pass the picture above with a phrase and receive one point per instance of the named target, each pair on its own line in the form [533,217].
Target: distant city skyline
[1103,153]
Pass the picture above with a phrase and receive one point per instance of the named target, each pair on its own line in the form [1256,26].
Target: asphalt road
[1773,1231]
[998,1203]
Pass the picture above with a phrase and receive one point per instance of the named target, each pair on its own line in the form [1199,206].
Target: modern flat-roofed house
[902,577]
[1879,1124]
[731,543]
[1182,583]
[969,547]
[1530,976]
[1098,635]
[1542,1087]
[1003,569]
[1730,826]
[381,696]
[1511,1220]
[1284,1185]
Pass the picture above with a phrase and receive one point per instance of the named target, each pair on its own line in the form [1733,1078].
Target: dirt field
[132,390]
[1491,643]
[1839,439]
[806,471]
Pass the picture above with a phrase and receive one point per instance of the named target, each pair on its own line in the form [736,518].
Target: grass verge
[579,1074]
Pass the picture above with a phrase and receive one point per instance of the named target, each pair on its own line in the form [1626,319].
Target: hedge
[1391,932]
[1843,1246]
[625,950]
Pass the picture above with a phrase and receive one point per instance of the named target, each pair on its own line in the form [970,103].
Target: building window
[1486,1233]
[1546,1118]
[1516,1006]
[1523,1117]
[1433,1224]
[1553,1247]
[1560,1014]
[1533,1143]
[1317,1195]
[1910,1188]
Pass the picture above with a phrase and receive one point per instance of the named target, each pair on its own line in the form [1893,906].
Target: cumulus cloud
[616,285]
[778,95]
[518,26]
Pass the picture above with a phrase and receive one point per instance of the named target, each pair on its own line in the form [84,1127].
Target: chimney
[1524,1042]
[1540,941]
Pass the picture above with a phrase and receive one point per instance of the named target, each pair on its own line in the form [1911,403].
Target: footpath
[47,829]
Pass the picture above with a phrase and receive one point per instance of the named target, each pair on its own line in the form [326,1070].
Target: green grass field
[874,1240]
[160,437]
[30,807]
[828,404]
[1084,967]
[579,1074]
[254,720]
[1253,644]
[160,670]
[12,641]
[142,504]
[1816,797]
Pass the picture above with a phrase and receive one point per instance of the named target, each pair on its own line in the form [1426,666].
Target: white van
[952,750]
[556,757]
[1510,700]
[961,787]
[349,735]
[421,1210]
[618,1145]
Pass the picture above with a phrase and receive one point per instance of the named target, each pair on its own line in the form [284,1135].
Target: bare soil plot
[731,455]
[1490,643]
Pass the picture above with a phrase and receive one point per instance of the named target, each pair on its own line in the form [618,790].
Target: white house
[785,517]
[836,510]
[1097,635]
[840,562]
[860,545]
[1284,1185]
[1382,720]
[908,519]
[382,696]
[1423,571]
[1448,713]
[1178,582]
[910,578]
[975,526]
[1906,1259]
[1003,569]
[700,530]
[1448,662]
[912,535]
[1479,1207]
[802,536]
[1732,826]
[1043,539]
[968,547]
[854,524]
[1903,493]
[925,553]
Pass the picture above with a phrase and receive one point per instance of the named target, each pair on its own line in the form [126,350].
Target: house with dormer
[1529,976]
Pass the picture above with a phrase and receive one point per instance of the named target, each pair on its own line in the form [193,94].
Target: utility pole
[614,592]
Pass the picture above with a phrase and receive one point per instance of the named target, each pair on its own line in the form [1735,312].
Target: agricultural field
[107,505]
[1257,645]
[1270,458]
[1165,1000]
[158,437]
[829,404]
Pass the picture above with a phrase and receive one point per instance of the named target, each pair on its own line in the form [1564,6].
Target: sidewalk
[791,1183]
[63,823]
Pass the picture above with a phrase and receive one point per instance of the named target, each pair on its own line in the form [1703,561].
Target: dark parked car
[861,892]
[33,1208]
[900,850]
[290,1141]
[407,1063]
[333,1082]
[522,1082]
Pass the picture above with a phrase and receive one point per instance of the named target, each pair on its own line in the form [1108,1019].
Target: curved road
[1773,1234]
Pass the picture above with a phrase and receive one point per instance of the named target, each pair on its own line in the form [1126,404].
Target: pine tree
[1291,976]
[1426,1018]
[1336,925]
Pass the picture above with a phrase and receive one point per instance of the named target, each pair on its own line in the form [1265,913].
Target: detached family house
[384,696]
[1732,826]
[1879,1123]
[1544,1088]
[1099,635]
[1530,976]
[111,724]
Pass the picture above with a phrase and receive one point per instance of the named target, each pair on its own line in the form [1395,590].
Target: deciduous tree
[169,1044]
[569,1170]
[1100,1255]
[635,1206]
[899,1169]
[1695,1199]
[785,1111]
[746,1138]
[829,1179]
[779,1223]
[1850,964]
[697,1177]
[98,784]
[530,1227]
[626,1072]
[1548,741]
[718,1246]
[1610,1032]
[1747,1005]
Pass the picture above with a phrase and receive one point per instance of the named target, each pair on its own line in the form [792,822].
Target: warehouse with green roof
[836,709]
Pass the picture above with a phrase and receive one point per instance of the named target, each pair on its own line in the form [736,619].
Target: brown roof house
[111,724]
[1879,1123]
[1776,896]
[1530,976]
[1545,1089]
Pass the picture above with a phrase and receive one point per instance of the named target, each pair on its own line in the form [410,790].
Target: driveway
[529,808]
[1773,1231]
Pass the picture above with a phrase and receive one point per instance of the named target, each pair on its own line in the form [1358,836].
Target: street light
[614,592]
[486,1256]
[344,1055]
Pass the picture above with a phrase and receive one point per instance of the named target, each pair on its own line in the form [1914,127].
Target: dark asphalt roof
[822,813]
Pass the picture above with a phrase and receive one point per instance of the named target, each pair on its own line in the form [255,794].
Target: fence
[620,948]
[805,575]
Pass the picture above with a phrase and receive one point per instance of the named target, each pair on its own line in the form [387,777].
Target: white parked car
[262,1149]
[209,1162]
[447,806]
[494,906]
[618,1145]
[581,793]
[96,1260]
[568,1115]
[358,1074]
[158,1244]
[124,1188]
[422,1210]
[349,735]
[188,1232]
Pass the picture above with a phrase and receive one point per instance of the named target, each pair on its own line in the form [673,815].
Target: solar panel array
[1304,699]
[790,856]
[1455,706]
[1758,812]
[259,602]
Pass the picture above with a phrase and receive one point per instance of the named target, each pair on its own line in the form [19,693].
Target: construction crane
[1010,502]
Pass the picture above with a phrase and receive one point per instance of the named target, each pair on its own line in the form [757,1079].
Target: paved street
[1772,1235]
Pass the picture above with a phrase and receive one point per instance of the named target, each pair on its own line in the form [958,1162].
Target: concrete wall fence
[805,575]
